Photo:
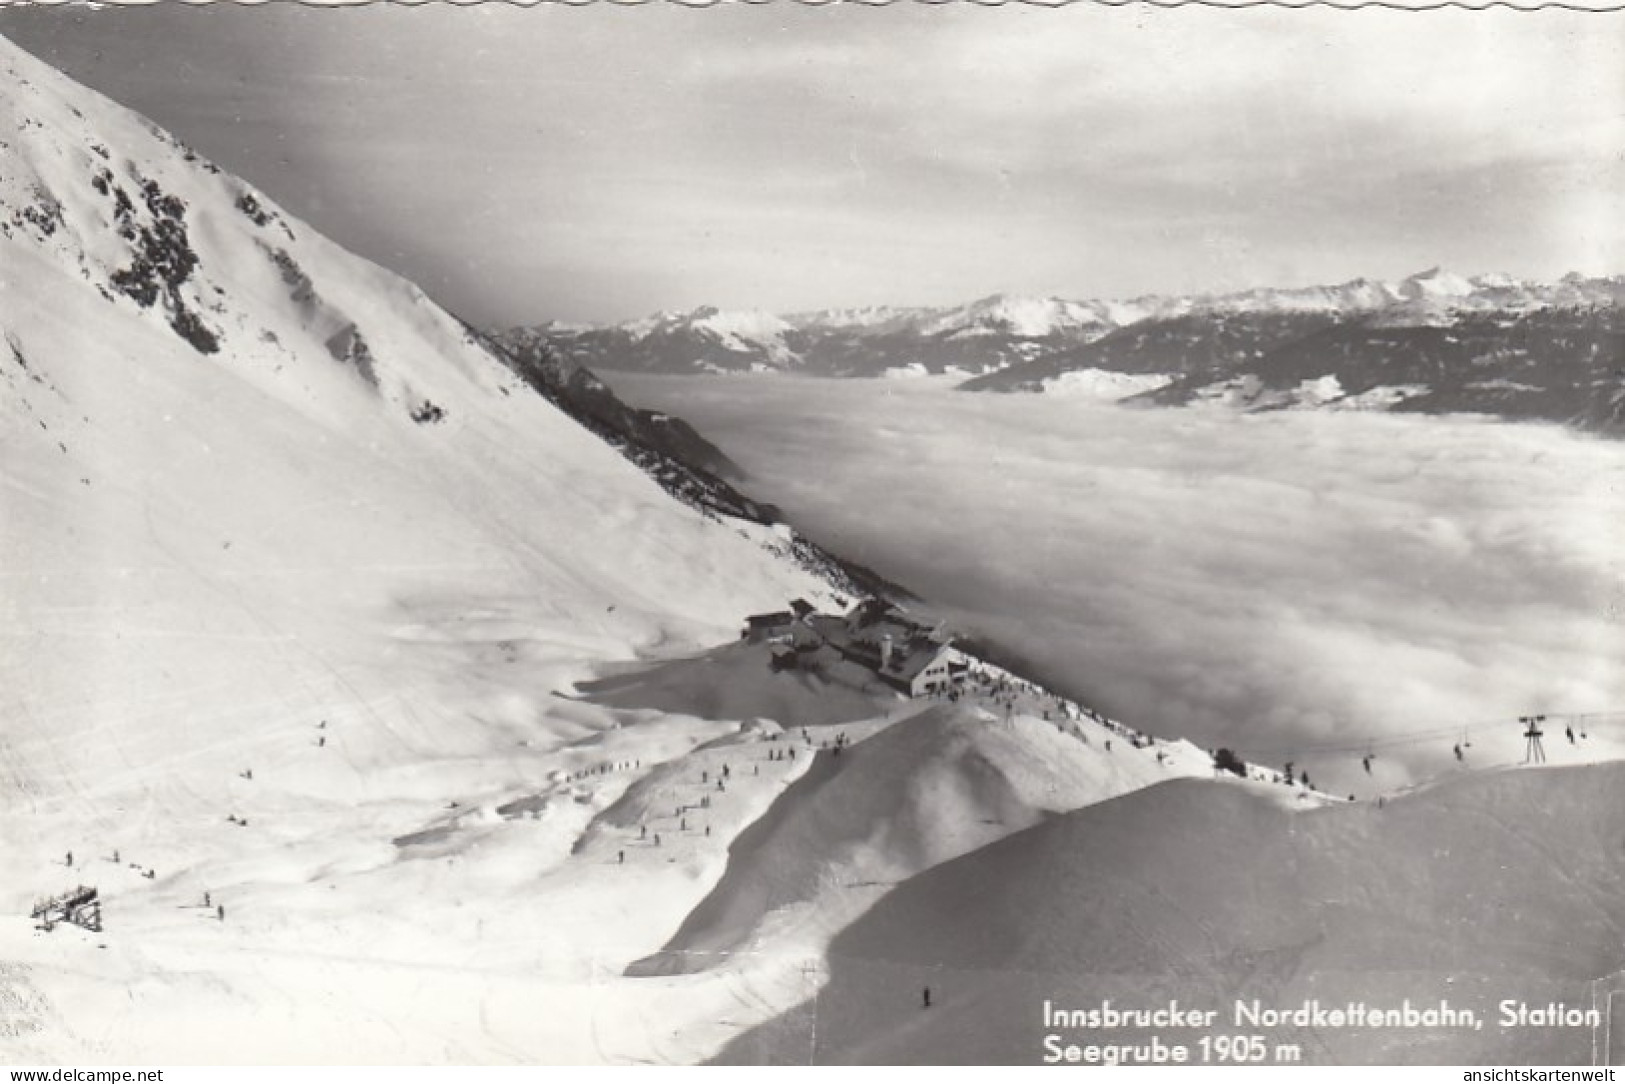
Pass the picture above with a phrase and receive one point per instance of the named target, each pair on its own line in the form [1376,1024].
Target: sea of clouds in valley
[1270,582]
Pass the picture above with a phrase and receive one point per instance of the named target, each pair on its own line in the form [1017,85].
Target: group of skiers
[247,774]
[603,769]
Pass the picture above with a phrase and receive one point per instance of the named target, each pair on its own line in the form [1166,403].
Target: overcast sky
[598,163]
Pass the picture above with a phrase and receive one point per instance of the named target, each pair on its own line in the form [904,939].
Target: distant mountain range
[1435,342]
[976,338]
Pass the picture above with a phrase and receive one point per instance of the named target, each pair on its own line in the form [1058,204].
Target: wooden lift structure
[82,907]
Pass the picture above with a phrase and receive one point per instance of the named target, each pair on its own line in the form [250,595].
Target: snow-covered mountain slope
[926,789]
[290,561]
[1492,887]
[1019,317]
[590,401]
[668,449]
[299,575]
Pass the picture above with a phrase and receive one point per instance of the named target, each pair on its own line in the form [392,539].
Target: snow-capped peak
[743,333]
[1025,317]
[1436,284]
[225,435]
[868,319]
[742,324]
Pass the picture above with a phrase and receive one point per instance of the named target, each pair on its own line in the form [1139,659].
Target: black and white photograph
[809,534]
